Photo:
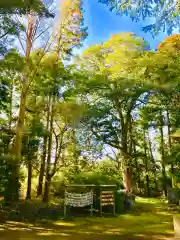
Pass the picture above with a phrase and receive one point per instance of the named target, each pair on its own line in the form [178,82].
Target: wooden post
[92,203]
[91,210]
[101,202]
[114,206]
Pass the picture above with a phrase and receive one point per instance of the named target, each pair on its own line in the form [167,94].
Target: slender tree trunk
[42,169]
[152,160]
[138,178]
[162,154]
[170,145]
[75,153]
[48,165]
[46,189]
[43,160]
[29,184]
[11,101]
[146,164]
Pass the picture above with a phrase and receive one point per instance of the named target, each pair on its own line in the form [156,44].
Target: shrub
[95,178]
[34,210]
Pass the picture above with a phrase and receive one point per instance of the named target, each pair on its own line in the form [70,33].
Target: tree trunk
[170,146]
[127,172]
[46,189]
[11,104]
[162,154]
[48,165]
[29,183]
[127,178]
[20,123]
[152,160]
[42,169]
[43,159]
[146,163]
[147,185]
[138,178]
[17,148]
[75,154]
[127,169]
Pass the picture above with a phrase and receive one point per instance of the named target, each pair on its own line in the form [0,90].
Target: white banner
[78,200]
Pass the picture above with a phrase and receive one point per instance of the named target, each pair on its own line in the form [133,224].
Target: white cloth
[78,200]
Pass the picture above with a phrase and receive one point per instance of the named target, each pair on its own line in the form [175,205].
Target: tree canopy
[164,15]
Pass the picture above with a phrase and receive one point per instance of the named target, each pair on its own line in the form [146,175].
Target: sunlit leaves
[116,58]
[171,44]
[24,6]
[70,31]
[114,86]
[164,14]
[71,112]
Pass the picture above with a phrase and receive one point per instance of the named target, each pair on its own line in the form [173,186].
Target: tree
[167,12]
[116,95]
[10,83]
[26,77]
[70,34]
[161,69]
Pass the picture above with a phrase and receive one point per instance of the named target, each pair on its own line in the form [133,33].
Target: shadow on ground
[150,220]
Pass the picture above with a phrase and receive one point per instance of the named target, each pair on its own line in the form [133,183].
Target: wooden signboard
[107,198]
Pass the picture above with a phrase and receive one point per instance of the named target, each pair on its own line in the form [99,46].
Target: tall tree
[28,74]
[116,94]
[71,33]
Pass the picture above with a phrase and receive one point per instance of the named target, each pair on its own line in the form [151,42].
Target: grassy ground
[150,220]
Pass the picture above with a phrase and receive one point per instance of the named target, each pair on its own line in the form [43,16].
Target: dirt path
[150,220]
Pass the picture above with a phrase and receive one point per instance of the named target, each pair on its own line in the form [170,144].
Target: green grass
[149,220]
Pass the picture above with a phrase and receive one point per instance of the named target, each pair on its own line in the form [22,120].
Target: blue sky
[102,24]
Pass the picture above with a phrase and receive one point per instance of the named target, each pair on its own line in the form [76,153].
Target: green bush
[34,210]
[96,178]
[58,185]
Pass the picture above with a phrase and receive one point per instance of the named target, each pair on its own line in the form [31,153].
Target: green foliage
[167,12]
[95,178]
[34,211]
[23,7]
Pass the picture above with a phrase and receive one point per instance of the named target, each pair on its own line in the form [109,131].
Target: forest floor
[150,220]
